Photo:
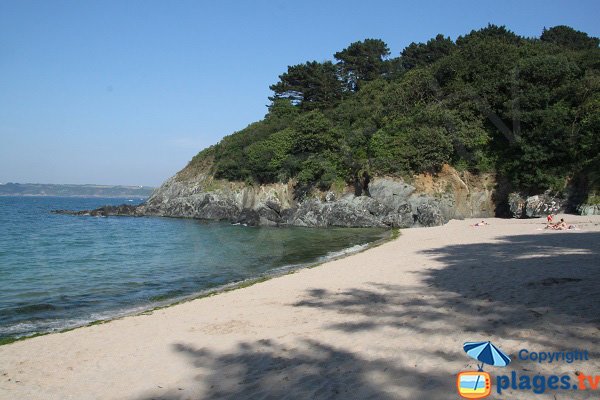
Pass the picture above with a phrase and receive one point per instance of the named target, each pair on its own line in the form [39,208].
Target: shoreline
[387,235]
[384,323]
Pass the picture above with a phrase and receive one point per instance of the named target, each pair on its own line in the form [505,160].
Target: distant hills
[40,189]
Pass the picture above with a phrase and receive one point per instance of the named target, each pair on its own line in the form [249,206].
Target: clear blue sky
[126,92]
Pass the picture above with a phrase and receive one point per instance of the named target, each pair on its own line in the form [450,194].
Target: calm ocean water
[61,271]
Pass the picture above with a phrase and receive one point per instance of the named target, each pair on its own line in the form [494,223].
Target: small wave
[28,328]
[344,252]
[332,255]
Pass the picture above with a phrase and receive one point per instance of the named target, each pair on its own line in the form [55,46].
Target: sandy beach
[387,323]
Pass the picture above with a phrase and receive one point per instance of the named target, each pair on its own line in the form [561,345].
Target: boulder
[429,214]
[589,209]
[535,206]
[402,217]
[390,192]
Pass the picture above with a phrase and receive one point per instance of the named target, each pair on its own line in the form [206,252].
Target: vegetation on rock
[525,108]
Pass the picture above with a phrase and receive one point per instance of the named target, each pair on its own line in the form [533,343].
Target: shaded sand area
[388,323]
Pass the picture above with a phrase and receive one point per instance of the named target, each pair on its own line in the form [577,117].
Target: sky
[127,92]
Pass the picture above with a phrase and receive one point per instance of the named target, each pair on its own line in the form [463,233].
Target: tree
[311,85]
[362,61]
[527,109]
[491,31]
[314,133]
[426,53]
[266,158]
[568,37]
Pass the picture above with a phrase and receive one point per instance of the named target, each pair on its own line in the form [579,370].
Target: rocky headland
[425,200]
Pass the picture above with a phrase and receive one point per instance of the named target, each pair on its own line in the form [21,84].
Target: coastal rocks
[348,212]
[248,217]
[516,205]
[388,202]
[402,218]
[123,210]
[390,192]
[459,194]
[535,206]
[429,214]
[589,209]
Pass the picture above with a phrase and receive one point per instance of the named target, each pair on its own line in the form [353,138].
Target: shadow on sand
[493,288]
[312,370]
[490,288]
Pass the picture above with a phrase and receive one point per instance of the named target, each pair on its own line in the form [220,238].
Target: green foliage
[568,37]
[417,54]
[266,158]
[313,133]
[362,62]
[528,109]
[319,170]
[406,148]
[311,85]
[490,32]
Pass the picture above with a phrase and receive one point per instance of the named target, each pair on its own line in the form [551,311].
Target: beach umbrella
[487,353]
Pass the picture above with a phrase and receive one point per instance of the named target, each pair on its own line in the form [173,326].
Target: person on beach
[561,226]
[558,226]
[482,223]
[549,218]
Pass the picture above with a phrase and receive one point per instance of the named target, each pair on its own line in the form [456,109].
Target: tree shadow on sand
[556,274]
[487,288]
[310,370]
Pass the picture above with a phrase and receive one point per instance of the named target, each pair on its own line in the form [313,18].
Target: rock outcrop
[389,202]
[535,206]
[589,209]
[124,209]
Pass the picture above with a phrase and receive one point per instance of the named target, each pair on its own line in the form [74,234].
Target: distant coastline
[71,190]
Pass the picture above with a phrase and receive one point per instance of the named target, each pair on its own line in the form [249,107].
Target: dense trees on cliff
[526,108]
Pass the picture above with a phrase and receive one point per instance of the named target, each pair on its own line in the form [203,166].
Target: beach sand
[387,323]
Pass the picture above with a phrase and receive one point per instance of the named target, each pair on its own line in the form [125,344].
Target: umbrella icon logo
[477,384]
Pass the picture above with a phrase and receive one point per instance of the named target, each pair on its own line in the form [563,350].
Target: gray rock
[544,204]
[429,214]
[391,193]
[535,206]
[516,205]
[402,218]
[391,203]
[330,197]
[273,205]
[248,217]
[589,209]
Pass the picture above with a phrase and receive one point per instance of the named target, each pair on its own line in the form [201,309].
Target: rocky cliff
[425,200]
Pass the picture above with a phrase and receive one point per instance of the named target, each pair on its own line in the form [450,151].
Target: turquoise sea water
[61,271]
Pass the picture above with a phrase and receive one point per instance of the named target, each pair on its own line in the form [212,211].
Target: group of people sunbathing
[559,226]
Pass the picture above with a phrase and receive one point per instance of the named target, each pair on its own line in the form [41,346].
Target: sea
[63,271]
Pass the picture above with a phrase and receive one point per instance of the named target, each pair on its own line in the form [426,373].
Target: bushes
[412,149]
